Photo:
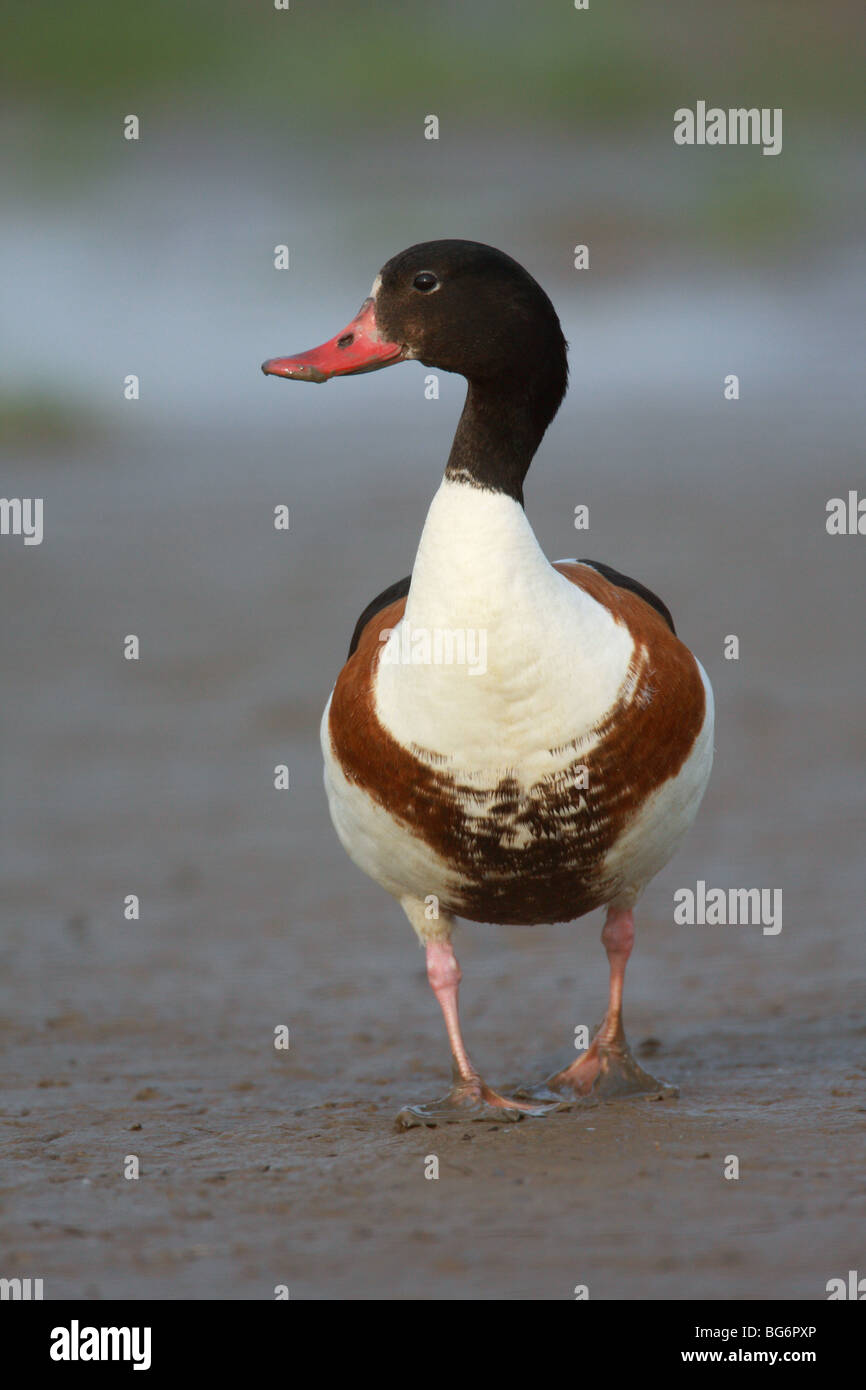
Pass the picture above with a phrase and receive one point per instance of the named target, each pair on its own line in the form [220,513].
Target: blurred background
[156,257]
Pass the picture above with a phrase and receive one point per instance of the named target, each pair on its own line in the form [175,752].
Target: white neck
[477,553]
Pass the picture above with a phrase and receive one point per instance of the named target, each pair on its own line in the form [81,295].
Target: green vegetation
[35,418]
[324,61]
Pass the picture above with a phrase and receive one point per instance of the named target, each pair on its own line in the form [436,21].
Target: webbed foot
[472,1099]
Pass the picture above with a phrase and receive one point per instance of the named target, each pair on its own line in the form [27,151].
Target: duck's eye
[425,281]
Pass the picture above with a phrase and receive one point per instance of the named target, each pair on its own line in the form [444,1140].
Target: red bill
[357,349]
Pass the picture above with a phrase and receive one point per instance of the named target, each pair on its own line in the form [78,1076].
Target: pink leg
[445,975]
[470,1098]
[617,938]
[607,1068]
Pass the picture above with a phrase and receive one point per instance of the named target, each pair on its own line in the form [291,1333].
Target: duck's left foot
[475,1100]
[606,1071]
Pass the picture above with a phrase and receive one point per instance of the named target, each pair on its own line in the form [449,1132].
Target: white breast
[555,660]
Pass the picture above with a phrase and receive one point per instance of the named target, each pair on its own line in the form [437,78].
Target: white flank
[651,837]
[377,843]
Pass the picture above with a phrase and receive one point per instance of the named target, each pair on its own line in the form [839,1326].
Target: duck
[511,740]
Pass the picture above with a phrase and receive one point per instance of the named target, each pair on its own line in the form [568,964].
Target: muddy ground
[155,1038]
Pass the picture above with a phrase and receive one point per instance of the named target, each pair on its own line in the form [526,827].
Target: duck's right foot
[606,1071]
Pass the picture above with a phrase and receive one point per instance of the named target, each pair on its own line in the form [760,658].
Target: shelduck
[557,774]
